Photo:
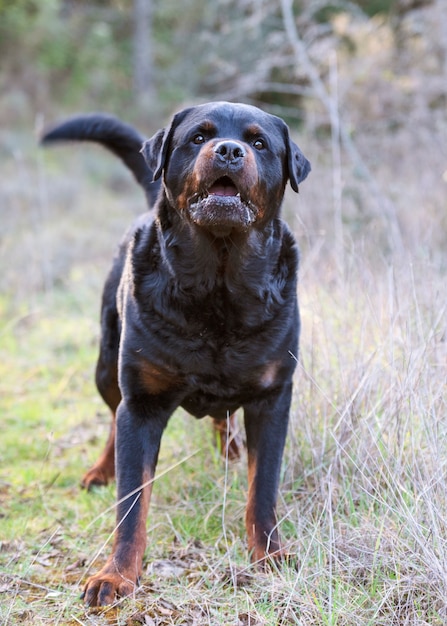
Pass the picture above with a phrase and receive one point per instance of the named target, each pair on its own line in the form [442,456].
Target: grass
[363,497]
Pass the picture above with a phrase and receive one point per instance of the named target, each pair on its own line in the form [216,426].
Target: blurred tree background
[116,55]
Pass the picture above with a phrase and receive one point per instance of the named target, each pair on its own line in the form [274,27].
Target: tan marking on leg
[104,469]
[229,437]
[120,574]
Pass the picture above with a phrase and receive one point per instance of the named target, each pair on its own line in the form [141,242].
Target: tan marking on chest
[269,375]
[155,379]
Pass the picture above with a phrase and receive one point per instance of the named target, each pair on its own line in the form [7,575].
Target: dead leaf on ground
[165,568]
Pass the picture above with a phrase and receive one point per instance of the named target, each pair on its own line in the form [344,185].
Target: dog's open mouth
[222,208]
[223,187]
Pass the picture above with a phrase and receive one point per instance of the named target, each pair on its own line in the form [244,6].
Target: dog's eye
[198,139]
[259,144]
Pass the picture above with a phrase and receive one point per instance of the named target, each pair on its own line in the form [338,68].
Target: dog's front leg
[266,423]
[138,437]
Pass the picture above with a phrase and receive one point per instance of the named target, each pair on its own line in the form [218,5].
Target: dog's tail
[120,138]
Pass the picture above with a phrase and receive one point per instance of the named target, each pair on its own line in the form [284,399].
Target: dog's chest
[219,332]
[216,341]
[214,333]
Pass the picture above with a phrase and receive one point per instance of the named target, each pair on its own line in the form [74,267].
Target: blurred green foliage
[72,53]
[67,52]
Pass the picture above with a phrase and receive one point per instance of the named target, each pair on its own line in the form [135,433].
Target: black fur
[201,307]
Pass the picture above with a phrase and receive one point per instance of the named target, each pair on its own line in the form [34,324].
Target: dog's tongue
[223,187]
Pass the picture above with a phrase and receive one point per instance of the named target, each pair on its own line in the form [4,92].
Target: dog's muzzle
[224,204]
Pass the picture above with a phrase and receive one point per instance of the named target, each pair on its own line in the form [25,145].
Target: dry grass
[370,436]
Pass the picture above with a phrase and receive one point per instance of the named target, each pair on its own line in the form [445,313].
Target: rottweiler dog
[199,310]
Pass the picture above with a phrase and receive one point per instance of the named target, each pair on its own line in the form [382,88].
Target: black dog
[199,310]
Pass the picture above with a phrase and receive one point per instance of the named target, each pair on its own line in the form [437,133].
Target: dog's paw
[273,560]
[102,588]
[97,476]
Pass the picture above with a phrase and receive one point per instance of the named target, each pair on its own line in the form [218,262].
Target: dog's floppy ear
[299,166]
[156,149]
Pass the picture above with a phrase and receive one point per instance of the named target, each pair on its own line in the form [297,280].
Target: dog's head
[225,166]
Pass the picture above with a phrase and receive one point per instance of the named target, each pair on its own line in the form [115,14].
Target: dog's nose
[229,151]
